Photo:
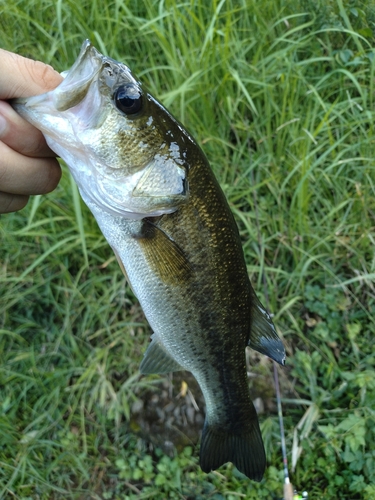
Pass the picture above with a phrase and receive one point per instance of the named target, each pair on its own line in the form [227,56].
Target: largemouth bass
[159,206]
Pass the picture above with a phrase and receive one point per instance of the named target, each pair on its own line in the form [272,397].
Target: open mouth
[78,79]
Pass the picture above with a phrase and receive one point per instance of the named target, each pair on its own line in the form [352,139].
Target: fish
[161,209]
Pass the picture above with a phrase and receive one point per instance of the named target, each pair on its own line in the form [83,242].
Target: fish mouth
[75,86]
[78,79]
[89,66]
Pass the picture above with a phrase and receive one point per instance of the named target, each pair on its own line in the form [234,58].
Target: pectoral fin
[263,336]
[165,257]
[157,359]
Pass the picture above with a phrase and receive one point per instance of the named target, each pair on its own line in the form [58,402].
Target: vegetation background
[281,96]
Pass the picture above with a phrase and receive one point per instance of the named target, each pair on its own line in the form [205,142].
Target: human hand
[27,164]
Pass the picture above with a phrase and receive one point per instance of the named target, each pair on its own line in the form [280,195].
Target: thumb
[22,77]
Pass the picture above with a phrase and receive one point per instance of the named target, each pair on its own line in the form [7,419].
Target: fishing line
[288,487]
[289,493]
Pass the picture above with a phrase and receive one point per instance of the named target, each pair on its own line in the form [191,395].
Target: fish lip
[88,66]
[73,89]
[77,80]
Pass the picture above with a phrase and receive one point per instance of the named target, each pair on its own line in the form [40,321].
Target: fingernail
[3,125]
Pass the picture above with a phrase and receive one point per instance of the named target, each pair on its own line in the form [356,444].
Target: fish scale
[203,323]
[158,204]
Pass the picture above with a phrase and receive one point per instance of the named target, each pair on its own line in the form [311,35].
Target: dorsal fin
[263,337]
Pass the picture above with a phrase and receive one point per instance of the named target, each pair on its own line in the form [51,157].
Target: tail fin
[245,450]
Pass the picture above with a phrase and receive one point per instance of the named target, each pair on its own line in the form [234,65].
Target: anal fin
[157,359]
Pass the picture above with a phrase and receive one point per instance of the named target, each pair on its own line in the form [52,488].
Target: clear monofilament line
[288,488]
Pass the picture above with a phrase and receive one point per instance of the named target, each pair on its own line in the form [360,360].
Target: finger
[22,77]
[25,175]
[19,135]
[12,202]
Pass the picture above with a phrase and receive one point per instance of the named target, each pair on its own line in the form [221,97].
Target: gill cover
[124,150]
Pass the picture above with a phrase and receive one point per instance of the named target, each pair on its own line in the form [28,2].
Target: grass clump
[280,95]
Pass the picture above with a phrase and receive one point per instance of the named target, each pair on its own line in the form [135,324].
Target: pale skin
[27,164]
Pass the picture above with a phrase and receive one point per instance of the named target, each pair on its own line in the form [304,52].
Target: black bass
[161,209]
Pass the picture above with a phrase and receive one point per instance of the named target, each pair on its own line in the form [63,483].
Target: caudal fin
[245,450]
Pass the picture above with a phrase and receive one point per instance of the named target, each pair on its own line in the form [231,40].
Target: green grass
[280,95]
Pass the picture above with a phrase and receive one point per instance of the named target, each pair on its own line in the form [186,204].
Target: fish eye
[128,99]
